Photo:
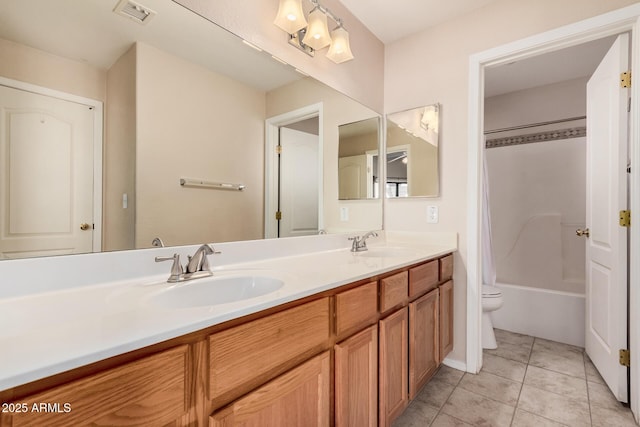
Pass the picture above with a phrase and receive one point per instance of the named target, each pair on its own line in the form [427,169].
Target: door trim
[97,144]
[272,126]
[611,23]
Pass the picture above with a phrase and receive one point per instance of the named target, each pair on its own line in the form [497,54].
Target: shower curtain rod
[533,125]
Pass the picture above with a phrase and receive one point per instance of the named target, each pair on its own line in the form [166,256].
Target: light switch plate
[344,213]
[432,214]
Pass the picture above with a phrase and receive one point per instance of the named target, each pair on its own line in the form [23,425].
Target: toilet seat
[489,291]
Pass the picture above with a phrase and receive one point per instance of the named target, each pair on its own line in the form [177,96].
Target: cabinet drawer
[446,268]
[423,278]
[248,355]
[147,392]
[356,309]
[393,291]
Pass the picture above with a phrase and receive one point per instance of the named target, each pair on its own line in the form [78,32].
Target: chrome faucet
[360,243]
[196,267]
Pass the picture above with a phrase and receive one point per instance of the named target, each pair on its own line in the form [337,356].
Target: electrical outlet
[344,213]
[432,214]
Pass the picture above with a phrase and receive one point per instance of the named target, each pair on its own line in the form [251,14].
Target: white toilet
[491,301]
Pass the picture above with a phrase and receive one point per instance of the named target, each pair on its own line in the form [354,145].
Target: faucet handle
[176,268]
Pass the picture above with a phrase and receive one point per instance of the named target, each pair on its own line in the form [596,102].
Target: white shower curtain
[488,258]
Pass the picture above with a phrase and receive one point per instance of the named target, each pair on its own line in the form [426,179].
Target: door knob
[84,226]
[584,232]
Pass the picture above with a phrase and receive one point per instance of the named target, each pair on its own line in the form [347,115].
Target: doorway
[293,173]
[595,28]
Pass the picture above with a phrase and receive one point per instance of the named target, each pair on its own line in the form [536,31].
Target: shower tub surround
[63,313]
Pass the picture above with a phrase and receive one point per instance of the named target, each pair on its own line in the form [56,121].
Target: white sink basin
[387,252]
[215,290]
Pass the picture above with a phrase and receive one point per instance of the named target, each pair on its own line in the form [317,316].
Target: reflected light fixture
[315,35]
[290,16]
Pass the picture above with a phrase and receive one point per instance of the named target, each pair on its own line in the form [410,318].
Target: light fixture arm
[326,11]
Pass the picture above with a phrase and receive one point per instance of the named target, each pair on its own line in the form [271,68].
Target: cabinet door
[297,398]
[446,319]
[423,340]
[356,380]
[393,361]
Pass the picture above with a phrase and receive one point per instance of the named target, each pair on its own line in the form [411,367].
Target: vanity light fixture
[314,36]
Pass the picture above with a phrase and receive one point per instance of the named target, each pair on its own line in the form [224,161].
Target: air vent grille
[135,11]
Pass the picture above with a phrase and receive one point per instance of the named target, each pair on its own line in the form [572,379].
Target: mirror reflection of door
[299,179]
[46,185]
[358,160]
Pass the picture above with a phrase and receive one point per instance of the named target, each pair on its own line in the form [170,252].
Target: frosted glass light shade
[317,35]
[340,51]
[290,16]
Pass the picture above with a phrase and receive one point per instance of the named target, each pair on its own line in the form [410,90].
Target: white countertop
[46,333]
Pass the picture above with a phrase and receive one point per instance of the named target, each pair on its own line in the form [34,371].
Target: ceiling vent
[135,11]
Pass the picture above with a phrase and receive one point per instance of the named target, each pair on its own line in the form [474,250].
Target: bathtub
[543,313]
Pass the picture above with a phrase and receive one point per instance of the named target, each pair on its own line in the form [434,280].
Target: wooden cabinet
[393,291]
[356,309]
[394,374]
[423,340]
[248,355]
[356,380]
[297,398]
[147,392]
[423,278]
[446,267]
[446,319]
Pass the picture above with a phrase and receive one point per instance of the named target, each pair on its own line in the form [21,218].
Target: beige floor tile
[592,372]
[503,336]
[502,367]
[600,395]
[444,420]
[477,410]
[436,392]
[554,406]
[566,362]
[418,414]
[605,417]
[449,375]
[556,347]
[492,386]
[527,419]
[517,352]
[555,382]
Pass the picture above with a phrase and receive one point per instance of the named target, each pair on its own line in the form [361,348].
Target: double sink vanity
[320,336]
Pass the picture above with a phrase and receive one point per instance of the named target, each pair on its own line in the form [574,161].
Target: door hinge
[625,79]
[278,149]
[625,357]
[625,218]
[278,216]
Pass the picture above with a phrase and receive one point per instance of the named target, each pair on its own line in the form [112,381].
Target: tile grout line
[586,383]
[526,368]
[445,402]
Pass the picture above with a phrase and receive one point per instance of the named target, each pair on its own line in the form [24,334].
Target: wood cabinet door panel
[393,291]
[356,380]
[423,278]
[446,319]
[423,340]
[446,267]
[147,392]
[248,355]
[297,398]
[356,309]
[393,369]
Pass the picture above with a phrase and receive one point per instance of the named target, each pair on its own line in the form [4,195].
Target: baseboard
[455,364]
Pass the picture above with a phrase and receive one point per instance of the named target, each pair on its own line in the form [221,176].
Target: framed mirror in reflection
[413,138]
[149,103]
[358,160]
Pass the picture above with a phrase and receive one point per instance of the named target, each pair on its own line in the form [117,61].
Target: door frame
[272,127]
[608,24]
[97,144]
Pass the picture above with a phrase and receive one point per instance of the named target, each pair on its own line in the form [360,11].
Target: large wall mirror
[413,138]
[181,99]
[358,159]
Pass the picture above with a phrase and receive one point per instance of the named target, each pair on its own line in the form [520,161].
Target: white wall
[432,66]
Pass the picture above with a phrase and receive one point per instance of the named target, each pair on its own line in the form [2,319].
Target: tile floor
[525,382]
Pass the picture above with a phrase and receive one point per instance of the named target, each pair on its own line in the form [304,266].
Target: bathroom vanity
[354,353]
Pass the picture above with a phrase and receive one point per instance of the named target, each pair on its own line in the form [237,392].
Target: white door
[353,176]
[299,178]
[46,179]
[606,246]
